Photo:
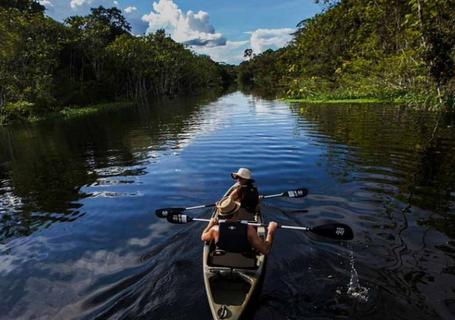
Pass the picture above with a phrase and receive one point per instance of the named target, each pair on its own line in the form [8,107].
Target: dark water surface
[78,237]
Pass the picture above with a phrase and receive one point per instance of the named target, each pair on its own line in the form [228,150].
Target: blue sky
[222,29]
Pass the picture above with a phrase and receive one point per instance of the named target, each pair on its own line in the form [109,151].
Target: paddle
[164,212]
[337,231]
[299,193]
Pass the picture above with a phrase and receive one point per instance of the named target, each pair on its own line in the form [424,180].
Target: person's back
[249,196]
[245,192]
[233,235]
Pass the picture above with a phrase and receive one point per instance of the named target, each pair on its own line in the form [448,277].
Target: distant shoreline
[344,101]
[69,112]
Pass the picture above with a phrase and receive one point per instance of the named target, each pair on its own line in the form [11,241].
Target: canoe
[231,279]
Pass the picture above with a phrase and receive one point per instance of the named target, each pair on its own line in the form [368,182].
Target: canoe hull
[231,281]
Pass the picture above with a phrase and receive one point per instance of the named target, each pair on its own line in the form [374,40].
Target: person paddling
[234,236]
[245,191]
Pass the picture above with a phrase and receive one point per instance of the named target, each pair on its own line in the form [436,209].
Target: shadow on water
[44,166]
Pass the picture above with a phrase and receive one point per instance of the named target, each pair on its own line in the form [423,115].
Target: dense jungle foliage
[46,65]
[400,49]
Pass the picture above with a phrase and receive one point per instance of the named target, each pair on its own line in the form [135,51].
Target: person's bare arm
[263,246]
[207,234]
[235,194]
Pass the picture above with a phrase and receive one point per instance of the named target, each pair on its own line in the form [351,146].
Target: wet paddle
[299,193]
[164,212]
[336,231]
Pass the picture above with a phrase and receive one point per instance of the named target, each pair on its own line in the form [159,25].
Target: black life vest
[249,197]
[233,237]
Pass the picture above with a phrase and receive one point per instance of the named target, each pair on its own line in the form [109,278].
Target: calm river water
[79,239]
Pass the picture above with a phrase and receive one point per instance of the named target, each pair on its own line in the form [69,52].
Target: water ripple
[77,201]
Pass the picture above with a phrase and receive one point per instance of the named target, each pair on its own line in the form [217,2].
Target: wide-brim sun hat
[227,207]
[242,173]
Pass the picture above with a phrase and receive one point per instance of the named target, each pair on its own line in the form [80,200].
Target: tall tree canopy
[22,5]
[46,65]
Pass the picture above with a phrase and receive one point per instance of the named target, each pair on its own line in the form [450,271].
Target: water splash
[355,290]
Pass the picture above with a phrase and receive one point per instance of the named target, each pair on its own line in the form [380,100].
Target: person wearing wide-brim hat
[227,207]
[243,174]
[232,235]
[245,191]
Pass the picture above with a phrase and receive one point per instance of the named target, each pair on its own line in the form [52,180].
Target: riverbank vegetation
[389,50]
[46,66]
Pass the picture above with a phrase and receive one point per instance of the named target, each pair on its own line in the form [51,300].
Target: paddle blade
[165,212]
[336,231]
[178,218]
[299,193]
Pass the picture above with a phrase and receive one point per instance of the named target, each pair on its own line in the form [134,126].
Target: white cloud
[46,3]
[190,28]
[195,30]
[78,3]
[130,9]
[263,39]
[260,40]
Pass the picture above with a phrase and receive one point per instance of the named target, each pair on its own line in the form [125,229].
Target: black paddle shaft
[164,212]
[337,231]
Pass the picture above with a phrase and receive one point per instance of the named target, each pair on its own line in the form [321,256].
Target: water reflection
[395,166]
[44,167]
[397,152]
[385,171]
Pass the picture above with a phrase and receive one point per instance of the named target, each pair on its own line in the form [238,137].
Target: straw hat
[227,207]
[242,173]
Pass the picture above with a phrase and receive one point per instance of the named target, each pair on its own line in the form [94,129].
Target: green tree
[29,57]
[23,5]
[45,65]
[371,48]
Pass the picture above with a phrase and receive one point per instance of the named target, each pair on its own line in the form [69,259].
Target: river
[79,239]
